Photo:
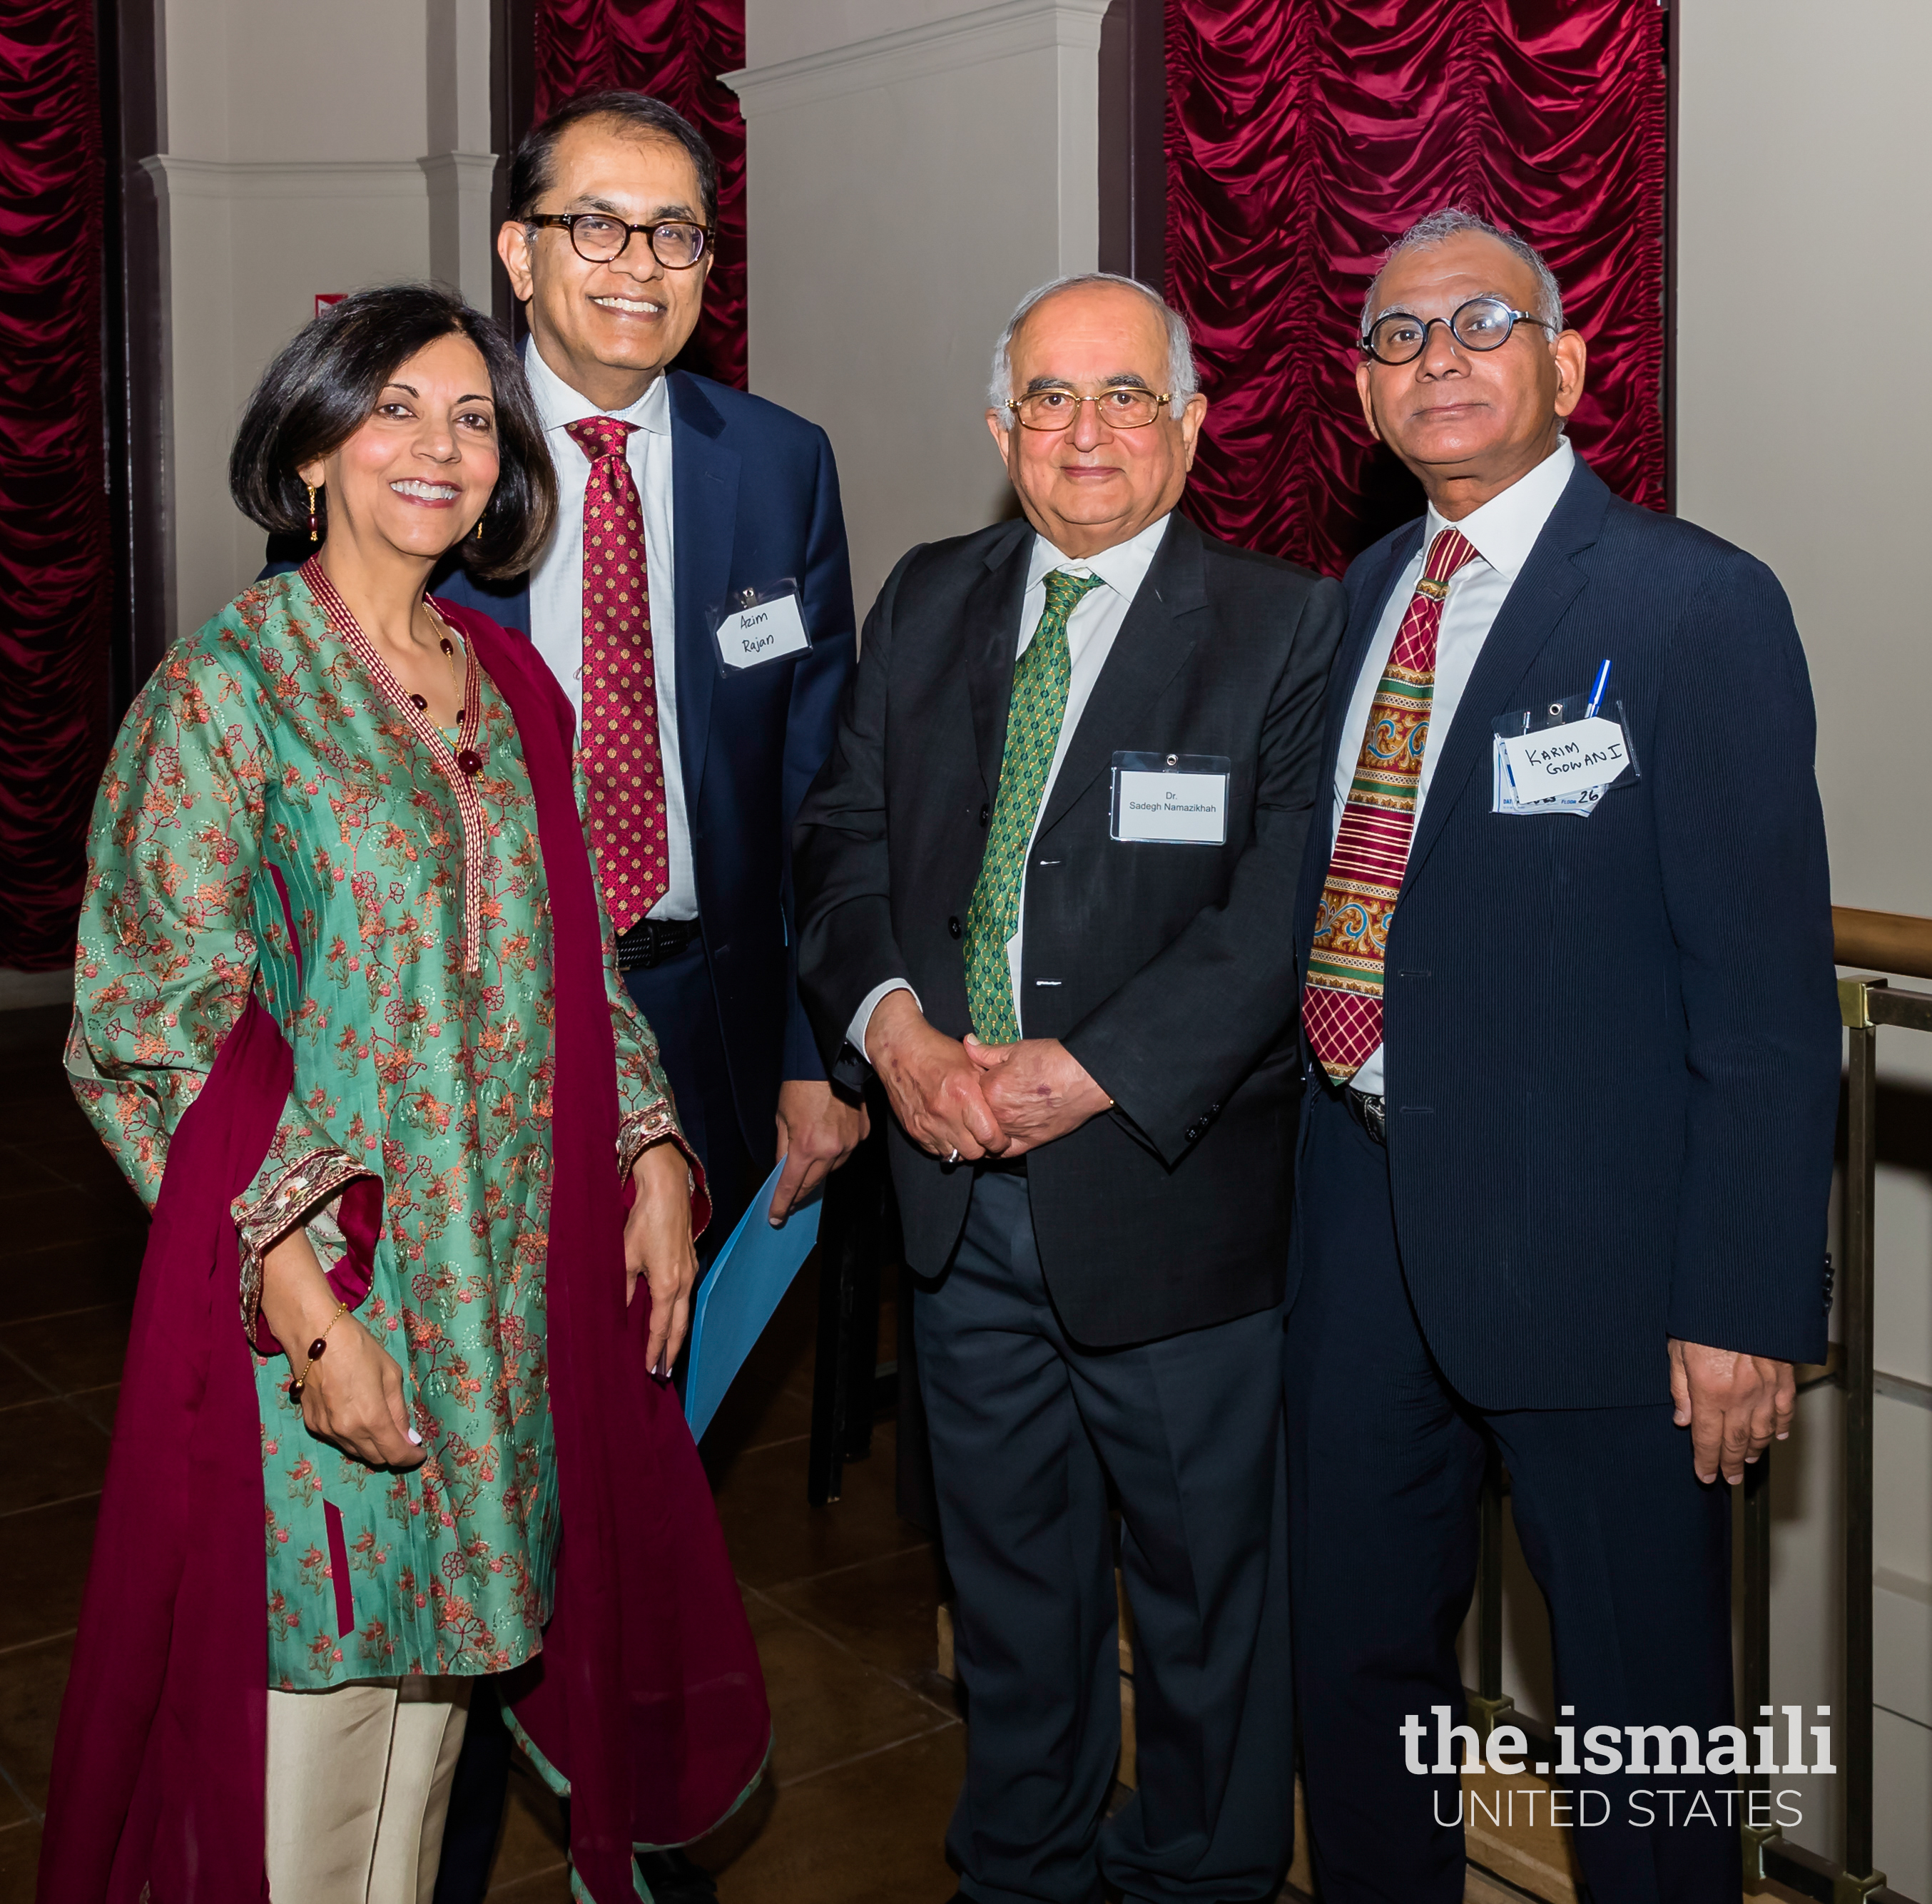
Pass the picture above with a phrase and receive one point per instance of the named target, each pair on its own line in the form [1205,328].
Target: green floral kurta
[271,754]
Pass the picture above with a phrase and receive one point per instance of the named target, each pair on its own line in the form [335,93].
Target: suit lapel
[1156,637]
[1537,600]
[989,635]
[704,515]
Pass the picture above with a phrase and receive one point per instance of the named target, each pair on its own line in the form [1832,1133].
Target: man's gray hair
[1182,381]
[1453,222]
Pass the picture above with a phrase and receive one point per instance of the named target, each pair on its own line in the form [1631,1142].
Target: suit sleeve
[1172,1044]
[1741,842]
[818,682]
[840,856]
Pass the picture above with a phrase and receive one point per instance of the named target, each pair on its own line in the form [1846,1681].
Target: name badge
[757,626]
[1562,758]
[1588,753]
[1171,800]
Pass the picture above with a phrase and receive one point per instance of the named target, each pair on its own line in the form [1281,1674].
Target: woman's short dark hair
[325,386]
[639,114]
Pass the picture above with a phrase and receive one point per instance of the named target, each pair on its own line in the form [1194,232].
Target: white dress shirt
[1091,629]
[556,582]
[1504,531]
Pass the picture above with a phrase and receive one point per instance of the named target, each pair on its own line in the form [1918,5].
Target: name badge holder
[755,627]
[1171,799]
[1590,751]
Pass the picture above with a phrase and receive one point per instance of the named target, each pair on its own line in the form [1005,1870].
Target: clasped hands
[967,1100]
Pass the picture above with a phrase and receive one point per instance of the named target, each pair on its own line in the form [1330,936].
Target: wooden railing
[1885,941]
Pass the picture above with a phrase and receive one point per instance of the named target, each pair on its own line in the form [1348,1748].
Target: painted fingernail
[414,1436]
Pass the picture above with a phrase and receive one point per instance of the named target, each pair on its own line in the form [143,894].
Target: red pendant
[470,761]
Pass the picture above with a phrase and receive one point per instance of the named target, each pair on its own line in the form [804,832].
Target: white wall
[1802,183]
[309,148]
[914,167]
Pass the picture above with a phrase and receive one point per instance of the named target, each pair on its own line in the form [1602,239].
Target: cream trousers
[358,1788]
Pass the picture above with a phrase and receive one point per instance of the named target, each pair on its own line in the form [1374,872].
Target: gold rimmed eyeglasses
[1127,407]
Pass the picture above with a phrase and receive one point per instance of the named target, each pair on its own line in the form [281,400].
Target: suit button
[1193,1132]
[952,925]
[986,815]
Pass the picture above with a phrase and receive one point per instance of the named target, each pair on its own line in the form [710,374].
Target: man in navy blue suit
[1566,1148]
[696,603]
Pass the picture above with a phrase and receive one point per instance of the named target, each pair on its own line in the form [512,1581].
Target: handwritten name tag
[1565,759]
[766,631]
[1185,804]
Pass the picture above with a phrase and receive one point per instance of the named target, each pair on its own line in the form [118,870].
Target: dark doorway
[1133,162]
[133,337]
[513,81]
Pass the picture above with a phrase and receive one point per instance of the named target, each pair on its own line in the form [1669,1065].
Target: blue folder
[748,1282]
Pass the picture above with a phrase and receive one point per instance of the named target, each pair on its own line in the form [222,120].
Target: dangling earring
[312,535]
[479,528]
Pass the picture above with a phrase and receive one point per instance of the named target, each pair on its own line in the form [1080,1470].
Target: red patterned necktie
[623,764]
[1341,1007]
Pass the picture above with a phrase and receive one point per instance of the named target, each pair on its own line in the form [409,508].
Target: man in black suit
[1567,1142]
[1045,884]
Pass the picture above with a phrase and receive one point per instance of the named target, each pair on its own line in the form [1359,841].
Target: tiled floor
[842,1599]
[868,1748]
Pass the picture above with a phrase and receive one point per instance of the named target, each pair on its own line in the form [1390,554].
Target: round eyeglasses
[1129,407]
[675,243]
[1483,323]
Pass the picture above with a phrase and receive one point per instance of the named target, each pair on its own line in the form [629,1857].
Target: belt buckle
[1371,1111]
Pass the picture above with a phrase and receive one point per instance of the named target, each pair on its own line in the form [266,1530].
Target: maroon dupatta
[647,1696]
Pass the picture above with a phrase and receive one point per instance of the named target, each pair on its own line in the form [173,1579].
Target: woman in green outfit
[321,803]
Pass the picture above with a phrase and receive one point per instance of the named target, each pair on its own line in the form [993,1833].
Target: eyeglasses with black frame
[1125,406]
[1480,323]
[677,244]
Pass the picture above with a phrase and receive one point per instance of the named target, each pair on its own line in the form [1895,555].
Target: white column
[914,167]
[459,165]
[294,131]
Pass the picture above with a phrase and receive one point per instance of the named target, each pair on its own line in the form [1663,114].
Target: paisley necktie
[1341,1006]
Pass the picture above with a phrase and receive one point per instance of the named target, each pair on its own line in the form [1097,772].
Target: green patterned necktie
[1033,716]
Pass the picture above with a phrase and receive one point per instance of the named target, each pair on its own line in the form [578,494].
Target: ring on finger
[954,1158]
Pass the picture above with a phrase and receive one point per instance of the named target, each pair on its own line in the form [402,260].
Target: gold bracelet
[315,1349]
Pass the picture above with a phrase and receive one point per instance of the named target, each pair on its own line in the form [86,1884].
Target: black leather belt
[651,941]
[1367,1111]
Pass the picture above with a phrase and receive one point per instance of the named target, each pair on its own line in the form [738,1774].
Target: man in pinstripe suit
[1567,1144]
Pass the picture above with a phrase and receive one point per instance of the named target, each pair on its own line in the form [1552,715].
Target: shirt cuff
[298,1198]
[855,1033]
[643,1128]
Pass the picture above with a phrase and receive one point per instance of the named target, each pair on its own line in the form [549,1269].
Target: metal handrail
[1886,942]
[1897,943]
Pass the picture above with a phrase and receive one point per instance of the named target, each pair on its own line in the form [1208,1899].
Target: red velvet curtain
[1303,136]
[55,586]
[674,50]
